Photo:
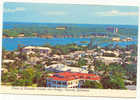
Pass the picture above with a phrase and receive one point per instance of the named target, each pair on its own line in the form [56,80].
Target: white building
[63,68]
[116,53]
[108,60]
[34,49]
[8,61]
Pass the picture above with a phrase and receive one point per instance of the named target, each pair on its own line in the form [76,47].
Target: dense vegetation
[71,29]
[112,75]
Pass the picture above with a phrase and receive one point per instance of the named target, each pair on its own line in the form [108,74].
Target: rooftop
[62,67]
[67,76]
[8,61]
[34,47]
[108,58]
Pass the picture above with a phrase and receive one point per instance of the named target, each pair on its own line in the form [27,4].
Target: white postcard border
[90,2]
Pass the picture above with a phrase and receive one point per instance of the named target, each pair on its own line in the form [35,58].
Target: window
[54,82]
[69,83]
[48,80]
[59,82]
[44,51]
[64,83]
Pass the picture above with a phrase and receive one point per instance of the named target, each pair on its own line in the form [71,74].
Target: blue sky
[68,13]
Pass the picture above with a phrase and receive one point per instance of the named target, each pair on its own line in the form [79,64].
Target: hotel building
[34,49]
[69,79]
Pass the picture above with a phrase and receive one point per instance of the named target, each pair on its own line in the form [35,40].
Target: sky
[70,13]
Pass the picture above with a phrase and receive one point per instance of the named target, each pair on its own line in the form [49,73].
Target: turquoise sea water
[12,44]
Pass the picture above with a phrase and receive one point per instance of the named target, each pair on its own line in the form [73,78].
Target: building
[45,36]
[96,34]
[115,39]
[8,61]
[116,30]
[64,68]
[61,28]
[4,35]
[115,52]
[21,35]
[35,34]
[4,70]
[33,49]
[108,60]
[69,79]
[85,67]
[127,39]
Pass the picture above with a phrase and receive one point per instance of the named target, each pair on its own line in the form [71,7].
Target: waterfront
[12,44]
[95,49]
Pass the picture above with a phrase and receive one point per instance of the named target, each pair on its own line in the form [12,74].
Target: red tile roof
[67,76]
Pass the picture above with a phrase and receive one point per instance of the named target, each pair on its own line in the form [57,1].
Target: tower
[116,30]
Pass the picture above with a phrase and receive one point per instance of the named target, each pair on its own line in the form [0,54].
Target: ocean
[12,44]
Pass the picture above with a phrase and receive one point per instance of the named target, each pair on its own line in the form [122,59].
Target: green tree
[113,77]
[92,84]
[82,62]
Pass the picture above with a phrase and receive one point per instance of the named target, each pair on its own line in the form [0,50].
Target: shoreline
[44,37]
[58,41]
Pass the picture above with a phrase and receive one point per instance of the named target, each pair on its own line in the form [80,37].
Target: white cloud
[12,10]
[117,13]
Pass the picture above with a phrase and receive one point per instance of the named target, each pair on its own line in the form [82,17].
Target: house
[33,60]
[128,52]
[70,62]
[4,35]
[115,39]
[8,61]
[61,28]
[41,50]
[4,70]
[127,39]
[45,36]
[95,34]
[85,67]
[116,53]
[21,35]
[56,57]
[63,68]
[30,52]
[35,34]
[69,79]
[108,60]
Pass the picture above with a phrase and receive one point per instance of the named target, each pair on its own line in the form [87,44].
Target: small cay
[84,42]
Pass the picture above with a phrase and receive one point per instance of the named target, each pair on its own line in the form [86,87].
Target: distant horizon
[65,23]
